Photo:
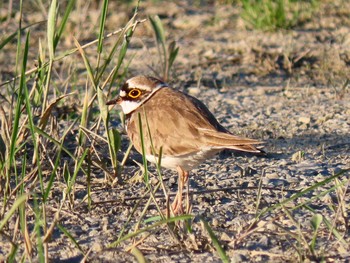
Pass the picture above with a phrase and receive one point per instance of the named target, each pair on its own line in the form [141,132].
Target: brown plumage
[179,124]
[165,114]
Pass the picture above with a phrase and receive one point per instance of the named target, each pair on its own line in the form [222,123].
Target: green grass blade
[53,174]
[102,26]
[22,217]
[160,39]
[20,100]
[215,240]
[125,34]
[158,28]
[138,255]
[76,170]
[144,160]
[173,51]
[113,136]
[21,199]
[86,62]
[114,142]
[330,227]
[100,40]
[84,119]
[88,179]
[122,53]
[12,255]
[38,227]
[51,24]
[70,237]
[316,221]
[18,113]
[19,41]
[34,138]
[103,107]
[63,23]
[307,190]
[7,40]
[321,194]
[23,173]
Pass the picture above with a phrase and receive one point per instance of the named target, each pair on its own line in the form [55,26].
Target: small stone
[93,232]
[96,247]
[225,237]
[264,241]
[270,110]
[209,54]
[215,222]
[272,176]
[305,120]
[193,91]
[261,91]
[261,224]
[271,227]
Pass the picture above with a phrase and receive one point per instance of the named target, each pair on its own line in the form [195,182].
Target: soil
[288,88]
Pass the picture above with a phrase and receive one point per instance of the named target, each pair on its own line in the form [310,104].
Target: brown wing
[181,124]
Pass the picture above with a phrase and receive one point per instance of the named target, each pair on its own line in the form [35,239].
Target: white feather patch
[129,106]
[122,93]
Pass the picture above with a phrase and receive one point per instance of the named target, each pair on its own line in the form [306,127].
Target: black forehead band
[125,86]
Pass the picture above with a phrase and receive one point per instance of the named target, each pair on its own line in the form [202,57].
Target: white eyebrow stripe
[144,87]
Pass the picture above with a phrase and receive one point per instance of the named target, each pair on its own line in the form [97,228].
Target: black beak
[115,101]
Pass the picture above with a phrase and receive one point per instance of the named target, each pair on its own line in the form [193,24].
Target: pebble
[305,120]
[194,91]
[272,176]
[96,247]
[271,227]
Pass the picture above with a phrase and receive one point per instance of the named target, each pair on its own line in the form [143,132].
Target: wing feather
[181,124]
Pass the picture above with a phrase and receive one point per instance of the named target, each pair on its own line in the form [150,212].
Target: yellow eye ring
[134,93]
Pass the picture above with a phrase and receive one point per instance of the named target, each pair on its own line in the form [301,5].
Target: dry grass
[61,179]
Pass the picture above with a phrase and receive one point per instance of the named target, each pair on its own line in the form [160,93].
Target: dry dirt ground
[287,88]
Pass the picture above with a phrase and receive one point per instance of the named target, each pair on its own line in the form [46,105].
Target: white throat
[129,106]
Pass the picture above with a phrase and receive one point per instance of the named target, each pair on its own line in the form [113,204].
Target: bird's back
[181,125]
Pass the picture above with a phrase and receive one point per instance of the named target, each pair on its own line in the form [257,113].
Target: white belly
[186,161]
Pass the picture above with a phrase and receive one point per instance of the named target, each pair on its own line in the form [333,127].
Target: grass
[279,14]
[56,143]
[37,139]
[166,55]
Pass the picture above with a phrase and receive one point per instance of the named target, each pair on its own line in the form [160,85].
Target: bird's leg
[177,204]
[187,182]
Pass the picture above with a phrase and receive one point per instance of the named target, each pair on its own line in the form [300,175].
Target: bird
[178,130]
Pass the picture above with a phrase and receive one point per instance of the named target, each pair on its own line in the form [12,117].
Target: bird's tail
[222,140]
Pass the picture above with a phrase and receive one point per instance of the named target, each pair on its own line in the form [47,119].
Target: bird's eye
[134,93]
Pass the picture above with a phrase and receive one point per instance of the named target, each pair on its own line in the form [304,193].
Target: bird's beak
[115,101]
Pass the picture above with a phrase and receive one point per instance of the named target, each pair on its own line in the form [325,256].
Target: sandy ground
[285,88]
